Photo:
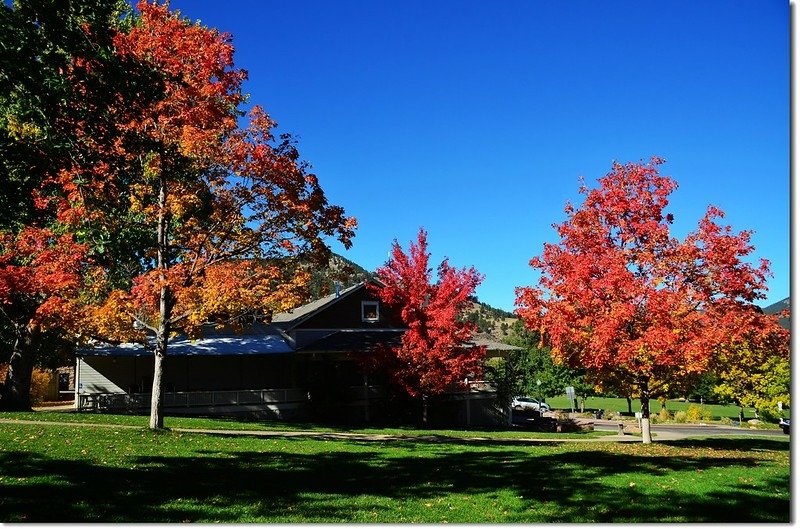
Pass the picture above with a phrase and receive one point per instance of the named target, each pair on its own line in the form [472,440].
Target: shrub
[680,416]
[41,382]
[664,415]
[769,414]
[694,413]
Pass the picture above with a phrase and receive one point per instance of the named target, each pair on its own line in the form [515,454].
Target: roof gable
[295,317]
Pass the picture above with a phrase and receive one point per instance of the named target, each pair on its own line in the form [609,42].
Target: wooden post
[467,400]
[366,398]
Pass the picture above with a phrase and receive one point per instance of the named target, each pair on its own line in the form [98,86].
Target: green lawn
[718,411]
[54,473]
[289,426]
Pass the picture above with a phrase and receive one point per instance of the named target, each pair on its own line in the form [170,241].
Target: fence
[190,399]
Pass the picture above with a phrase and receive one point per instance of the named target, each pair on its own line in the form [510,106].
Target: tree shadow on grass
[277,484]
[731,443]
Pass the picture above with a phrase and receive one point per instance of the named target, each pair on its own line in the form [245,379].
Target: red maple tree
[622,297]
[435,355]
[40,274]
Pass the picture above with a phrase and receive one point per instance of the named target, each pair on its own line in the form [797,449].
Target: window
[369,311]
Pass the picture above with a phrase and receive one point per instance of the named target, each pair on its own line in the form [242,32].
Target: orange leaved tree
[227,208]
[435,355]
[623,298]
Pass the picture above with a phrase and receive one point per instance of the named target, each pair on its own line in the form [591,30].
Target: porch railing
[189,399]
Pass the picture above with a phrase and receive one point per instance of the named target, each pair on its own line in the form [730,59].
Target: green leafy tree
[46,45]
[756,372]
[532,371]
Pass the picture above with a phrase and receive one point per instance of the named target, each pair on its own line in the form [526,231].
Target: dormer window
[369,311]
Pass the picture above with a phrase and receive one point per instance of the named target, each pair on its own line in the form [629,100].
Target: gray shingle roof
[248,344]
[295,316]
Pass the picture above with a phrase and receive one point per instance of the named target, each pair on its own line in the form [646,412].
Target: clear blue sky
[476,119]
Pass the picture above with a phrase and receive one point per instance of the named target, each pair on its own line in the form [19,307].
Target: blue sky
[475,120]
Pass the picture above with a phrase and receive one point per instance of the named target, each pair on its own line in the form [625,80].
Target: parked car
[784,424]
[529,404]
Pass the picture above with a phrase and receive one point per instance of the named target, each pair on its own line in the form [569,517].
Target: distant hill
[490,320]
[776,308]
[339,270]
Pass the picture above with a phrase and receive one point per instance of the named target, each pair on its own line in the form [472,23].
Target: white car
[528,404]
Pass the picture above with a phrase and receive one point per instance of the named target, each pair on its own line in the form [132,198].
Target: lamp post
[538,390]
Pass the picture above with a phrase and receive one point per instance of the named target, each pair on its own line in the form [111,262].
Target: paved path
[660,433]
[353,436]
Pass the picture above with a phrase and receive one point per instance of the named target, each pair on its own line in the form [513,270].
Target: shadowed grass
[217,423]
[51,473]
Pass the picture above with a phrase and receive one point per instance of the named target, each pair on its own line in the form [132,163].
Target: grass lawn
[718,411]
[73,473]
[217,423]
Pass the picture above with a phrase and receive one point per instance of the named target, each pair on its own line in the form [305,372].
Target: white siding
[90,381]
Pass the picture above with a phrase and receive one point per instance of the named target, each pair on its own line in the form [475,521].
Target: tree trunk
[166,302]
[630,409]
[156,401]
[425,410]
[645,399]
[16,391]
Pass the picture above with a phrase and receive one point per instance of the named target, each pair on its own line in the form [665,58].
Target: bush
[664,415]
[769,415]
[680,416]
[694,413]
[41,384]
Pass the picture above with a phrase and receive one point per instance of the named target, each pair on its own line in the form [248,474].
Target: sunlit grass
[53,473]
[717,411]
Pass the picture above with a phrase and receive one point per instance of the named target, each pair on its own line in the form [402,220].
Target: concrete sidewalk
[351,436]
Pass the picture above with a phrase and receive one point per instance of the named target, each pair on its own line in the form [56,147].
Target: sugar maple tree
[228,209]
[622,297]
[434,355]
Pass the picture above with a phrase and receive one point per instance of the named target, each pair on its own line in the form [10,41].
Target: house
[302,364]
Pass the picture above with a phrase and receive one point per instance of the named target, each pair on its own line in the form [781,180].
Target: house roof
[294,317]
[347,340]
[272,339]
[220,345]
